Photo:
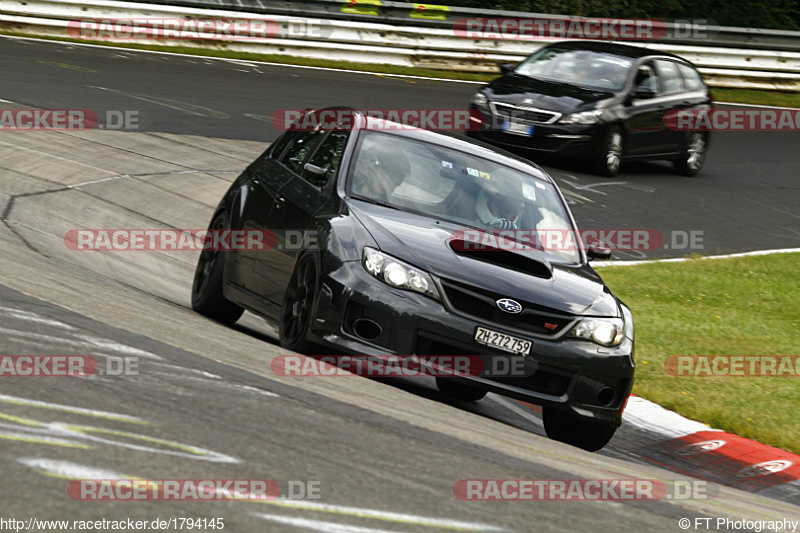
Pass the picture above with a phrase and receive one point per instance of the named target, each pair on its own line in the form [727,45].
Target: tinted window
[328,156]
[646,77]
[691,77]
[276,150]
[463,188]
[303,144]
[670,79]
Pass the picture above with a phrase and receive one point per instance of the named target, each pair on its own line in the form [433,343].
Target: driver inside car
[379,172]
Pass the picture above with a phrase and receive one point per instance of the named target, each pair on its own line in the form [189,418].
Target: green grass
[750,96]
[744,96]
[737,306]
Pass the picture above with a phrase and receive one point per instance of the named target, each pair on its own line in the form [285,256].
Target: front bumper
[558,139]
[575,375]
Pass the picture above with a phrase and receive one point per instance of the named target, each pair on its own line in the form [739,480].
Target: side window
[328,156]
[670,79]
[691,77]
[646,77]
[276,149]
[303,144]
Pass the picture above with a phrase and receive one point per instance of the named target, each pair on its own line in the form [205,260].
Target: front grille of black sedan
[521,113]
[480,304]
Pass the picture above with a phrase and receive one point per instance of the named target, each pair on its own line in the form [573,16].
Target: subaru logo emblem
[509,306]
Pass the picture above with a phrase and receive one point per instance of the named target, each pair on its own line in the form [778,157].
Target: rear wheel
[207,297]
[609,159]
[694,154]
[575,430]
[459,391]
[298,306]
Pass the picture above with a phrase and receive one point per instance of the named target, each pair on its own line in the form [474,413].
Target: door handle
[279,202]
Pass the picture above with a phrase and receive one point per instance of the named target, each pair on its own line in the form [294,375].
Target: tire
[207,297]
[298,304]
[609,159]
[577,431]
[459,391]
[694,154]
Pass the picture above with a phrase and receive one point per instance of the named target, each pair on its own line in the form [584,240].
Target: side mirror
[598,252]
[507,68]
[643,93]
[315,171]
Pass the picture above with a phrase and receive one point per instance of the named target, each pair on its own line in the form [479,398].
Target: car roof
[624,50]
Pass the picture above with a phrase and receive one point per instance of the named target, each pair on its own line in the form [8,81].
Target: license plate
[517,128]
[501,341]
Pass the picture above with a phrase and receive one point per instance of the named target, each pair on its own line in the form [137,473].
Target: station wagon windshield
[596,70]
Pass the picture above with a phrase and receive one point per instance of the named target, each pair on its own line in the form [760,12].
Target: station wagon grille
[525,114]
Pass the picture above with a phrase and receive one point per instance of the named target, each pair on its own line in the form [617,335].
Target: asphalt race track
[205,404]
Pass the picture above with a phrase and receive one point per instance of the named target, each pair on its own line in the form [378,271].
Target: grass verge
[736,306]
[744,96]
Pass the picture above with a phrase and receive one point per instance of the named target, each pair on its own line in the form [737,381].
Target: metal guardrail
[440,16]
[425,38]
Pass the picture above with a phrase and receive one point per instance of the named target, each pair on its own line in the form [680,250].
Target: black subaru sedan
[601,101]
[407,259]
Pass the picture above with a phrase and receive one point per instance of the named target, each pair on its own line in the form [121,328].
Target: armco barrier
[415,35]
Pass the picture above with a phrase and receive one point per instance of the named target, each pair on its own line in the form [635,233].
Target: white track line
[239,61]
[319,525]
[683,259]
[510,405]
[251,63]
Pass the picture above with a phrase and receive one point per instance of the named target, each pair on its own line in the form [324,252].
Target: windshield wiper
[375,202]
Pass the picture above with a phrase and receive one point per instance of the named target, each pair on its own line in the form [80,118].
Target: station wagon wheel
[694,154]
[609,159]
[298,306]
[207,296]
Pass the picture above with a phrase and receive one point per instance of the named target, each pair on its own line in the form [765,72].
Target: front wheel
[609,159]
[694,155]
[577,431]
[298,306]
[207,297]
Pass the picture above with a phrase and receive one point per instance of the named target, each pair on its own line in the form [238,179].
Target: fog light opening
[367,329]
[606,396]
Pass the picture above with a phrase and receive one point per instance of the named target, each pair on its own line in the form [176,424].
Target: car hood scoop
[527,275]
[519,261]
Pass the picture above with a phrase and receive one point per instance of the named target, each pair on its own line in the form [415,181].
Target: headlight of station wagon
[585,118]
[398,274]
[480,100]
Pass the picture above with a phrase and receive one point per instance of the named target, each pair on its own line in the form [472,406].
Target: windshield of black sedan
[450,185]
[578,67]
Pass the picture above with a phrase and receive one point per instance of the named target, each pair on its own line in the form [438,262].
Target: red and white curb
[699,450]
